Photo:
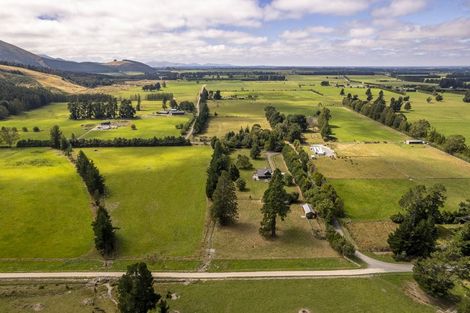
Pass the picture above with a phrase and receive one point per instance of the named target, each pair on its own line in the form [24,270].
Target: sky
[244,32]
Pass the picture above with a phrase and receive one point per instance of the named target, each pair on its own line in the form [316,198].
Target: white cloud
[361,32]
[298,8]
[400,8]
[229,31]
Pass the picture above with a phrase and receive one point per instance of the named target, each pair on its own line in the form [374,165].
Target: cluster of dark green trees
[58,141]
[466,98]
[99,106]
[220,185]
[163,96]
[9,135]
[288,128]
[15,99]
[136,293]
[445,267]
[116,142]
[323,123]
[391,116]
[152,87]
[90,175]
[316,190]
[438,267]
[417,233]
[202,119]
[339,243]
[130,142]
[255,139]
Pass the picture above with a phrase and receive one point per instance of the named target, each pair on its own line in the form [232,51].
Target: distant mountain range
[13,54]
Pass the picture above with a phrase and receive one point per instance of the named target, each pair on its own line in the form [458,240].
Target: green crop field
[45,209]
[156,197]
[380,294]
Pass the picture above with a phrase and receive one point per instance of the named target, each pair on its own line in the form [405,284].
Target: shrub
[339,243]
[24,129]
[36,129]
[133,127]
[241,184]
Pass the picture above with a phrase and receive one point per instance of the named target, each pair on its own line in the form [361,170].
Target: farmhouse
[309,211]
[176,112]
[262,174]
[171,112]
[104,126]
[414,142]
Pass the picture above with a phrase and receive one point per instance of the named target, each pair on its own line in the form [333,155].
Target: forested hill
[15,99]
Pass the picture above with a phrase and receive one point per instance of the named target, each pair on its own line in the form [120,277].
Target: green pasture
[349,126]
[380,294]
[45,209]
[450,116]
[156,197]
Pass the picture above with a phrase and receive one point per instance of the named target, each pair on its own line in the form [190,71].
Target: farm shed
[309,211]
[414,142]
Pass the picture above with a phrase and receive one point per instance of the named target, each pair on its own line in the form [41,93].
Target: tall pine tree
[275,200]
[56,135]
[135,290]
[105,237]
[219,163]
[224,207]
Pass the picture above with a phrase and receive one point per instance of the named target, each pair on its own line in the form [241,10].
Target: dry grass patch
[48,80]
[371,236]
[392,161]
[294,237]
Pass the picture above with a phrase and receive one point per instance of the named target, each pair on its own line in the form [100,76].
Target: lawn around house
[242,240]
[45,209]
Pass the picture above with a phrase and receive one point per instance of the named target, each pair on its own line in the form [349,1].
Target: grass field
[156,197]
[380,294]
[349,126]
[47,297]
[45,209]
[450,116]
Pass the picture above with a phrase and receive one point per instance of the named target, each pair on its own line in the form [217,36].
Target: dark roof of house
[264,172]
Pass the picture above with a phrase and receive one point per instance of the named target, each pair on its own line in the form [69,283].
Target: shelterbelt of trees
[99,106]
[391,116]
[116,142]
[17,99]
